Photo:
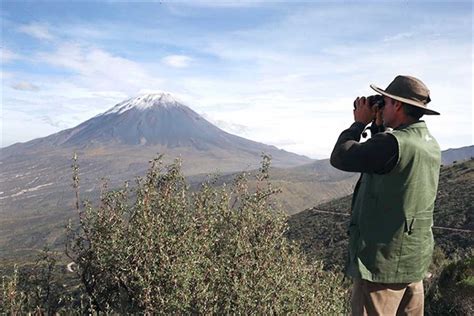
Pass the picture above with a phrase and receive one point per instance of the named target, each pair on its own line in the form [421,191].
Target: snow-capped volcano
[146,101]
[157,123]
[150,119]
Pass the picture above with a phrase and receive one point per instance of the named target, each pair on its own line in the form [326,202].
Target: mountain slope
[302,187]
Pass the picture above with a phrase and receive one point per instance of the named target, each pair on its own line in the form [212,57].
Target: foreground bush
[41,287]
[453,290]
[160,248]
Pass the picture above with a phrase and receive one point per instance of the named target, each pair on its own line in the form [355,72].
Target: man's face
[388,112]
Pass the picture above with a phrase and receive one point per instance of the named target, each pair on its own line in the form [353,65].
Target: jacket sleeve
[379,154]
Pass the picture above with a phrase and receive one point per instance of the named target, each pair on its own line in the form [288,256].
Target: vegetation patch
[160,248]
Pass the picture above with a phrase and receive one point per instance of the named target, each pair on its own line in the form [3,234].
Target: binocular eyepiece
[376,100]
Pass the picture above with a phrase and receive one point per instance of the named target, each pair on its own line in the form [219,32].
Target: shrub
[453,290]
[12,300]
[160,248]
[41,288]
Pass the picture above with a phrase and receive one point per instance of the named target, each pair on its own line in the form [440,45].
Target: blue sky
[282,73]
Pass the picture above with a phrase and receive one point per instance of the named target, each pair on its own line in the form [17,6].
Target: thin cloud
[222,3]
[398,37]
[37,30]
[25,86]
[228,126]
[100,70]
[177,61]
[8,55]
[54,122]
[13,127]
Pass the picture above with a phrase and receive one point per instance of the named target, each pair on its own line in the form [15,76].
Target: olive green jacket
[391,240]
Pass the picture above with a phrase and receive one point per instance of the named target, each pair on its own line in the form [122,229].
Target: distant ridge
[457,154]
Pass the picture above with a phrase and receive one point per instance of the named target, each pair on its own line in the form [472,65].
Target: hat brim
[405,100]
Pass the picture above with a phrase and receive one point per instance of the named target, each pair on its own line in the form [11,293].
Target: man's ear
[398,105]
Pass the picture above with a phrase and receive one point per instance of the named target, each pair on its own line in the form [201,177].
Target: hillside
[323,235]
[301,187]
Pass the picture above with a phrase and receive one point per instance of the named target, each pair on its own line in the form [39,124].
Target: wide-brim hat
[409,90]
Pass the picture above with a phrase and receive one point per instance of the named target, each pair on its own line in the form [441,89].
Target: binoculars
[376,100]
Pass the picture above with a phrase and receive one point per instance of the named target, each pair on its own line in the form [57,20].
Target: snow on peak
[146,101]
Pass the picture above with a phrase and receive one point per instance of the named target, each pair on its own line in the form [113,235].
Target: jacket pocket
[417,247]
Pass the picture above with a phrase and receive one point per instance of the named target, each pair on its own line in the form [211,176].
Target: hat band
[413,96]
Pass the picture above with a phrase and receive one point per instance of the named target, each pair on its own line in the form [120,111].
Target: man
[390,237]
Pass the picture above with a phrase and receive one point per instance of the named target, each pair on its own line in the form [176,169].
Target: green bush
[161,248]
[453,290]
[12,301]
[41,288]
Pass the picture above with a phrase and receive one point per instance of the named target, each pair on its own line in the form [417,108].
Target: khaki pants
[369,298]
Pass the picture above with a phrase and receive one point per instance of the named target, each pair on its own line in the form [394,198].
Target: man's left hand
[363,113]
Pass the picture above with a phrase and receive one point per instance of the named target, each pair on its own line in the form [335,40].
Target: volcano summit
[152,119]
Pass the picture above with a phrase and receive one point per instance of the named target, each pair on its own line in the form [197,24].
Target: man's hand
[363,113]
[378,116]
